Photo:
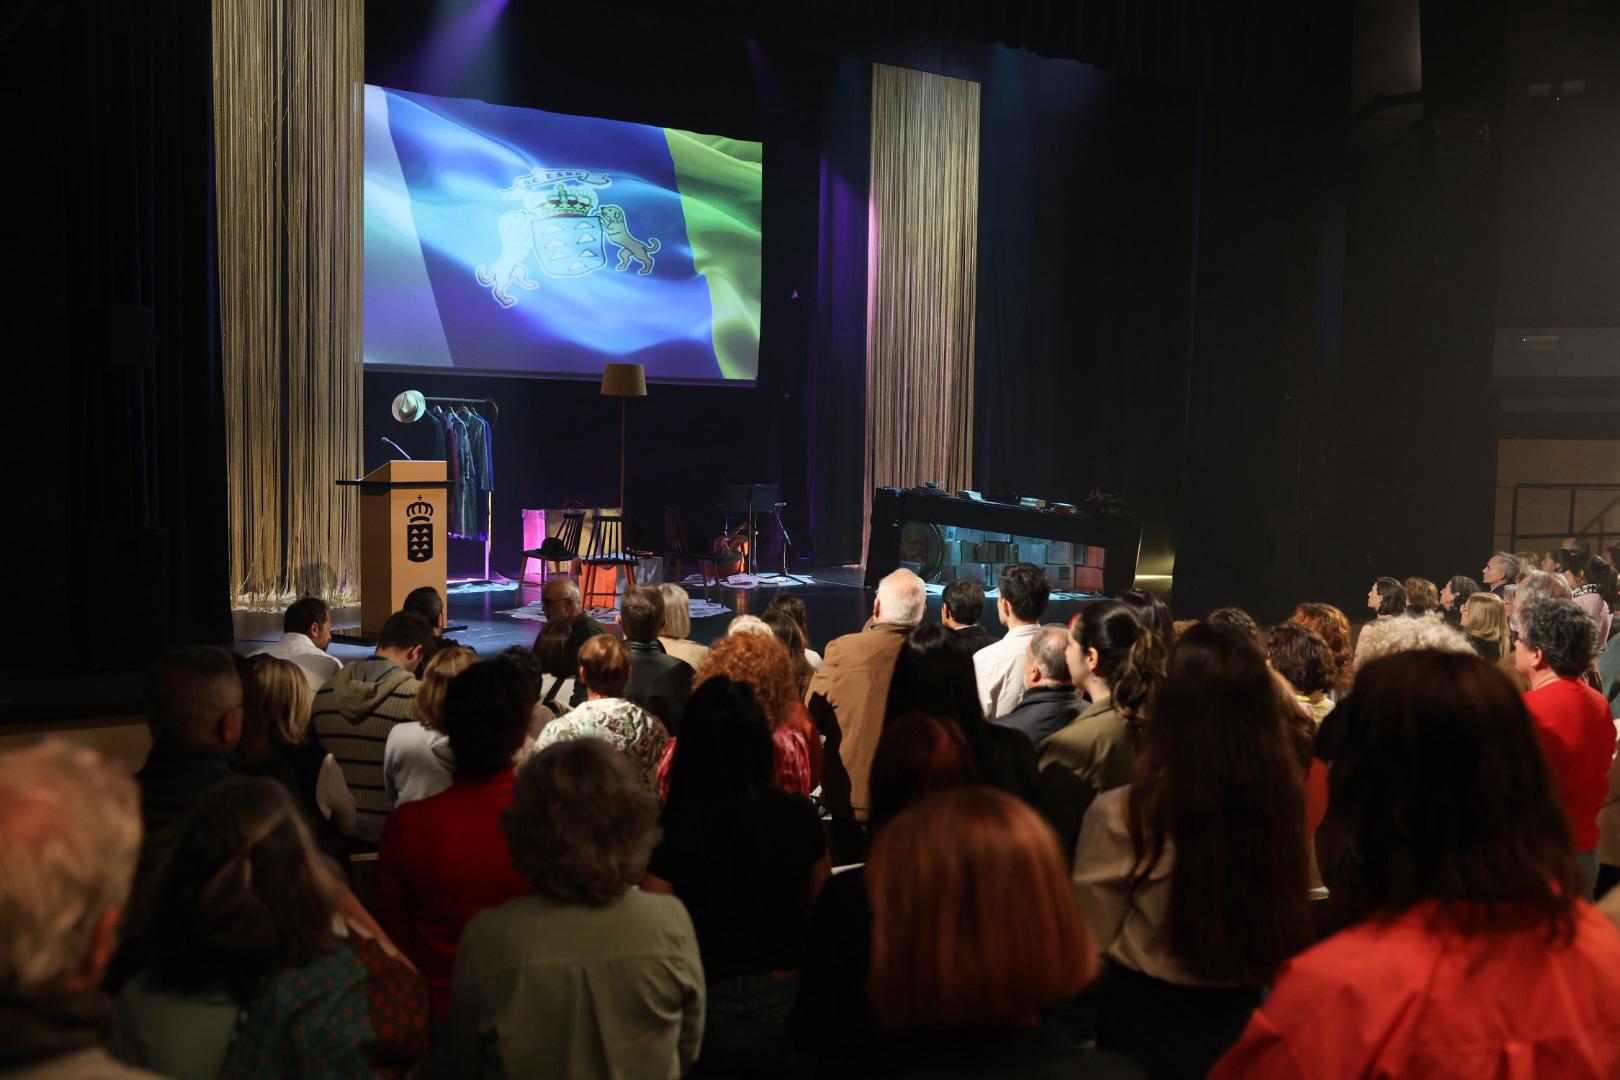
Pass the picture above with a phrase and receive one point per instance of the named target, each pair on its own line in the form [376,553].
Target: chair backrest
[573,523]
[607,537]
[674,531]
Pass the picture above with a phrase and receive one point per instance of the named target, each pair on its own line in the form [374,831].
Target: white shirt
[416,763]
[999,669]
[316,665]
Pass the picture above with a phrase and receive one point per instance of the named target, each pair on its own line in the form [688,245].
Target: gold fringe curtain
[922,251]
[289,127]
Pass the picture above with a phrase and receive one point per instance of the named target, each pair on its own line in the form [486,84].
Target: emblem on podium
[419,530]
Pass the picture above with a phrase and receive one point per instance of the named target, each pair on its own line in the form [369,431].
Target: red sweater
[1576,734]
[441,861]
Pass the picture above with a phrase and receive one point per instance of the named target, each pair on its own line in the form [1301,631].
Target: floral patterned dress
[632,730]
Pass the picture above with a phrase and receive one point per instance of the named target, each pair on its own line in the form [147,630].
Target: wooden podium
[402,536]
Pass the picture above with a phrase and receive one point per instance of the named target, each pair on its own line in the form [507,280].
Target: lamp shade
[624,380]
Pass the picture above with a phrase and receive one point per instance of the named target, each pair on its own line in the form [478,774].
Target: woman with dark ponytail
[1116,661]
[261,961]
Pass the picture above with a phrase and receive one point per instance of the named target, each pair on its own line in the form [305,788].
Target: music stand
[749,501]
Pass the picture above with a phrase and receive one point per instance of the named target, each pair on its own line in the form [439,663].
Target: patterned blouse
[631,729]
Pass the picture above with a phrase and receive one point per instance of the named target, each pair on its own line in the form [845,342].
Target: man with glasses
[567,628]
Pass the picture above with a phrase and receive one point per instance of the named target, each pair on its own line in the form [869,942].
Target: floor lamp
[623,381]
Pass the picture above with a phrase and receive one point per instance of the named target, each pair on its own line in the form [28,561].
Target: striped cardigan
[354,712]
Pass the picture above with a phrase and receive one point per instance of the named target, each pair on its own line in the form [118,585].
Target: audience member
[1386,598]
[70,833]
[1580,573]
[443,858]
[848,691]
[1501,570]
[766,667]
[1422,598]
[306,634]
[1578,546]
[789,633]
[792,605]
[833,1023]
[1528,562]
[1049,696]
[1452,877]
[1238,619]
[1572,722]
[1116,662]
[1333,627]
[959,612]
[932,675]
[567,629]
[1152,612]
[261,962]
[1384,637]
[676,634]
[747,859]
[1194,878]
[659,682]
[428,603]
[975,929]
[1484,620]
[359,706]
[276,708]
[1299,654]
[622,961]
[604,670]
[999,667]
[1535,586]
[534,677]
[417,760]
[1455,594]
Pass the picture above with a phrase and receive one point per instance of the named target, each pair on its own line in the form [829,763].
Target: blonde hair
[1386,637]
[749,624]
[446,664]
[70,832]
[278,697]
[677,611]
[1487,619]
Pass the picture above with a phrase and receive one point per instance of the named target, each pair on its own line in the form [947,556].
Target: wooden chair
[676,552]
[562,548]
[607,551]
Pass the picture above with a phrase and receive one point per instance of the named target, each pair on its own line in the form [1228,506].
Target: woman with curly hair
[625,962]
[1334,628]
[763,663]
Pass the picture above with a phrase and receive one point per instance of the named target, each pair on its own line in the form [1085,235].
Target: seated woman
[261,961]
[767,668]
[1194,878]
[1453,879]
[791,635]
[604,669]
[1454,594]
[747,859]
[832,1022]
[276,706]
[1301,656]
[1422,598]
[792,606]
[1589,578]
[1484,620]
[443,859]
[975,929]
[1333,626]
[588,976]
[676,636]
[1116,662]
[416,757]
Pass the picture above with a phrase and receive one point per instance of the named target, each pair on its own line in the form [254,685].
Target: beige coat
[847,696]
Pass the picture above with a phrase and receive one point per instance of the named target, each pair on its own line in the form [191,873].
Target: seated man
[69,836]
[999,668]
[850,689]
[306,634]
[567,628]
[659,682]
[1049,698]
[1501,570]
[959,613]
[429,604]
[359,706]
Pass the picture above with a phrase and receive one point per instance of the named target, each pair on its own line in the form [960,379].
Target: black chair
[562,548]
[607,550]
[676,552]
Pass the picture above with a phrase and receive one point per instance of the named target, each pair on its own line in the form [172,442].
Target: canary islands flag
[508,240]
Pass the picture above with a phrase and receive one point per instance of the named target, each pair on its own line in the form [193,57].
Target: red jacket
[1406,998]
[441,861]
[1576,734]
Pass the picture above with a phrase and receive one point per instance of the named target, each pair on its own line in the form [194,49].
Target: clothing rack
[489,511]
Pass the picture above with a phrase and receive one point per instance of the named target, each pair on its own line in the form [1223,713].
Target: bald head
[902,598]
[1047,657]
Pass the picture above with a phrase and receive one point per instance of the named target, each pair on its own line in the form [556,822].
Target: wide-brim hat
[409,407]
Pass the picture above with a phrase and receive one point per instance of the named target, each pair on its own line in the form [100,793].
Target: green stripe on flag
[719,182]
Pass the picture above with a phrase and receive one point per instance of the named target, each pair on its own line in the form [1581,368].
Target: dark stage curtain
[121,460]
